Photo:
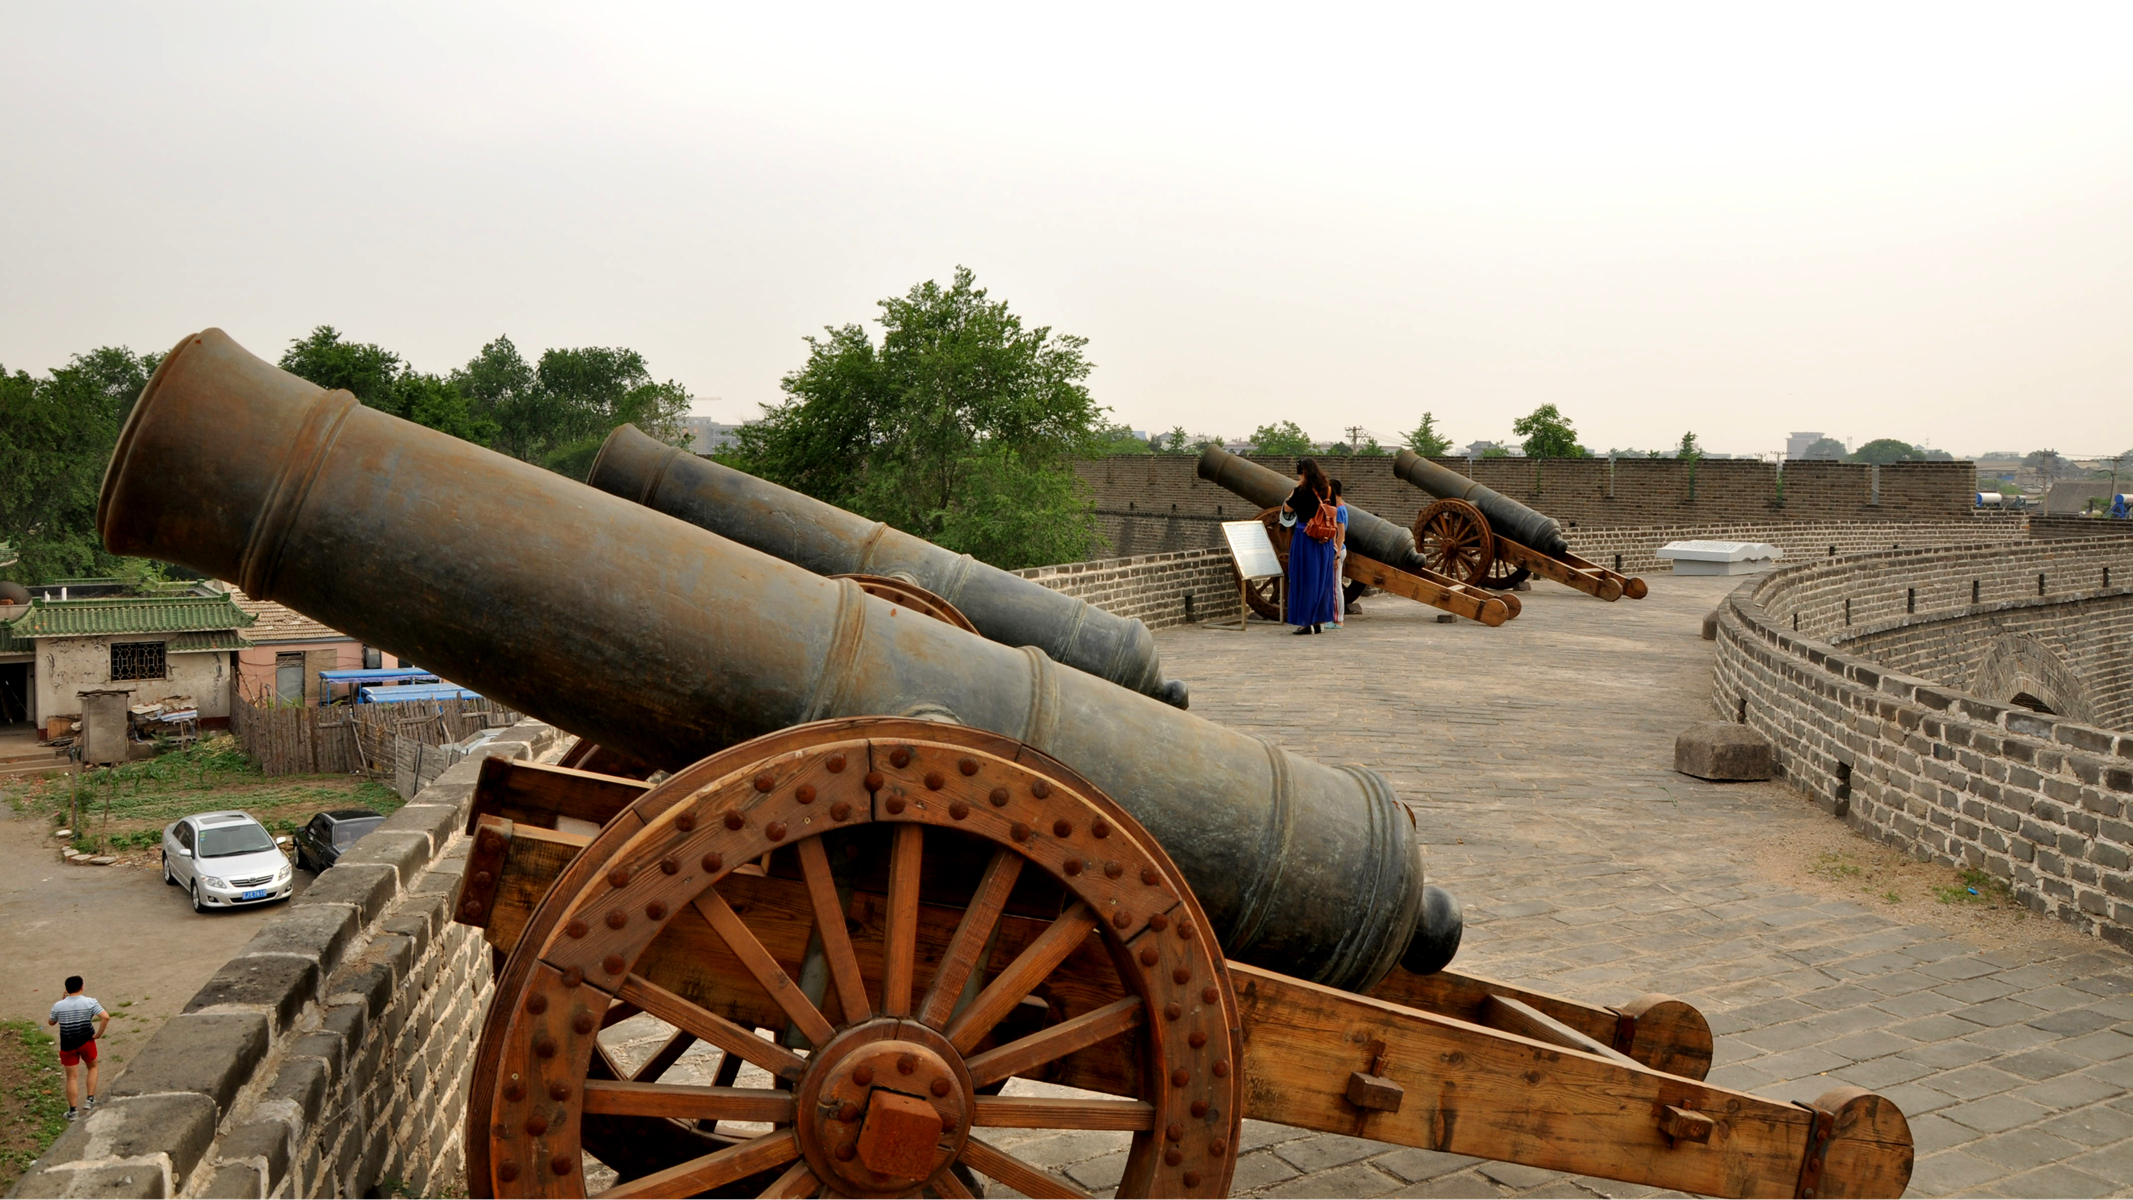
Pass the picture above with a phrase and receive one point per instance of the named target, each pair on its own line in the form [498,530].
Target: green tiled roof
[130,614]
[221,639]
[10,644]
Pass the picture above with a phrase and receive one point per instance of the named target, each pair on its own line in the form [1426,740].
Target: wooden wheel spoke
[950,1187]
[1024,1178]
[666,1057]
[1056,1042]
[767,973]
[714,1170]
[899,949]
[617,1013]
[797,1181]
[830,927]
[717,1030]
[971,936]
[688,1102]
[1021,976]
[1047,1112]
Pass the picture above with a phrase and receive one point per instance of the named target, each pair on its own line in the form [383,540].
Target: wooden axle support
[991,915]
[1455,537]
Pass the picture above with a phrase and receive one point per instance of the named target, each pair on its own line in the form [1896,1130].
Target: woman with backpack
[1314,529]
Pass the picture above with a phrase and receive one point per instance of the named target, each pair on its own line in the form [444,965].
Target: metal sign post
[1253,554]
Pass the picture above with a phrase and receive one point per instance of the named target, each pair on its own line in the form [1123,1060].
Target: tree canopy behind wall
[960,426]
[57,431]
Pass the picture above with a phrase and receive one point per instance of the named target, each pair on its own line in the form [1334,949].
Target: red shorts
[86,1054]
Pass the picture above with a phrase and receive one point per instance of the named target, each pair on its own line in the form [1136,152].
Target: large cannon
[935,865]
[1480,536]
[830,541]
[1380,553]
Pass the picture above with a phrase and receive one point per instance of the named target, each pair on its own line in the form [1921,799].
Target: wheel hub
[885,1106]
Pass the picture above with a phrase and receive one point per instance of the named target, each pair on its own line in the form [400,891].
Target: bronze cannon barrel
[1367,534]
[1507,517]
[831,541]
[649,635]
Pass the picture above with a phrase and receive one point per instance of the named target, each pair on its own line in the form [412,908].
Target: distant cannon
[1482,537]
[896,865]
[828,540]
[1380,553]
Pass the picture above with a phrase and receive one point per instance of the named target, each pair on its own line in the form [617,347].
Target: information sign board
[1250,548]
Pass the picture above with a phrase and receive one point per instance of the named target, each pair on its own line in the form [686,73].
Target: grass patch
[1837,868]
[124,808]
[1973,886]
[35,1113]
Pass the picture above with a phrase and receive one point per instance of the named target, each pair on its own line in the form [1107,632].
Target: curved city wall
[1859,671]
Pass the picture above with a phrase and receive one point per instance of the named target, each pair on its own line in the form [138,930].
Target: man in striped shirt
[81,1021]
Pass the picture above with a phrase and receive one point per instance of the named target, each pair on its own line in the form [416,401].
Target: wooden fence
[356,739]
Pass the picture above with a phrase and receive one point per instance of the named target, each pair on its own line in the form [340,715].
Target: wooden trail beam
[535,794]
[1656,1030]
[1437,591]
[1571,571]
[1483,1092]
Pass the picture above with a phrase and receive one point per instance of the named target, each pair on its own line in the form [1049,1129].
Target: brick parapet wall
[1581,493]
[1140,534]
[330,1056]
[1161,590]
[2037,800]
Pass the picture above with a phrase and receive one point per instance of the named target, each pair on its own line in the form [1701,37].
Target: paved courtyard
[1539,760]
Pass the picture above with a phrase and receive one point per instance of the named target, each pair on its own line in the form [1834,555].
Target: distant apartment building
[707,436]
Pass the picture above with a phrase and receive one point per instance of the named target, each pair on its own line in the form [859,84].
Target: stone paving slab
[1538,759]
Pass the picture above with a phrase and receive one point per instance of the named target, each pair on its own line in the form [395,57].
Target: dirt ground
[1830,859]
[138,945]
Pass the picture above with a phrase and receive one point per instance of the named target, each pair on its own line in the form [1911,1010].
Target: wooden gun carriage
[1482,537]
[932,912]
[888,868]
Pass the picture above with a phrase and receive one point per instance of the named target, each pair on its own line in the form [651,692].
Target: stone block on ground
[1721,750]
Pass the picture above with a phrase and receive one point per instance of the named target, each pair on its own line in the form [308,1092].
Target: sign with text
[1249,546]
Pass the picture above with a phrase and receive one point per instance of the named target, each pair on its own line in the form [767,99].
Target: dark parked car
[319,844]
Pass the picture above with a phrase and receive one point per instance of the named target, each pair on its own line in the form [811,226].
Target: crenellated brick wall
[2041,801]
[1581,493]
[1161,590]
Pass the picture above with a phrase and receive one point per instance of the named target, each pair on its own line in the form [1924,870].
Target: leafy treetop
[1548,434]
[1427,440]
[1888,450]
[959,426]
[1286,438]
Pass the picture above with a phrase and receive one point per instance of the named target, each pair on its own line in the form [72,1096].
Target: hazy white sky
[1866,220]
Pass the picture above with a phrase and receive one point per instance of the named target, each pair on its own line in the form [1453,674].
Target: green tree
[1285,438]
[1177,441]
[1499,452]
[56,436]
[960,425]
[581,395]
[1117,439]
[1888,450]
[380,379]
[1688,449]
[1548,434]
[1427,440]
[1825,450]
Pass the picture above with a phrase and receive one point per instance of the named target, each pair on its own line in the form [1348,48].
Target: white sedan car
[225,860]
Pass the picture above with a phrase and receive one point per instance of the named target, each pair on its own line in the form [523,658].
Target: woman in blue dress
[1312,585]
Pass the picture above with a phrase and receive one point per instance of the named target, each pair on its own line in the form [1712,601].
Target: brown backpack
[1324,523]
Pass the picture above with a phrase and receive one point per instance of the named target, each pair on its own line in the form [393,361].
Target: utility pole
[1355,438]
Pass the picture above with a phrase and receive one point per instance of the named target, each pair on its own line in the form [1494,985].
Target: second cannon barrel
[1507,517]
[831,541]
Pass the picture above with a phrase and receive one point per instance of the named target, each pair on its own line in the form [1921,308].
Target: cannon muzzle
[660,639]
[1507,517]
[828,540]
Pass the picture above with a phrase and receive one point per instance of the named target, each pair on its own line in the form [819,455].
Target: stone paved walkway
[1539,760]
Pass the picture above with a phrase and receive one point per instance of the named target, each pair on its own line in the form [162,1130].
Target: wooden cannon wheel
[909,595]
[996,853]
[1455,539]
